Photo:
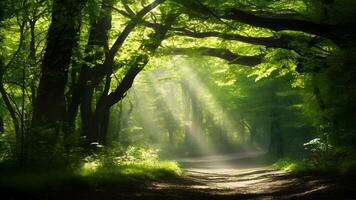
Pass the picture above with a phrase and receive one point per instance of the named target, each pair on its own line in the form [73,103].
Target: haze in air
[177,99]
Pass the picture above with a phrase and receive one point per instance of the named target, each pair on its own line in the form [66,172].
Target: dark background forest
[119,91]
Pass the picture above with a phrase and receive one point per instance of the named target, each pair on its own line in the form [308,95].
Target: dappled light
[177,99]
[170,104]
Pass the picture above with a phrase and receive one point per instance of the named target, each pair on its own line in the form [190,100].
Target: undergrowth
[344,167]
[134,166]
[321,158]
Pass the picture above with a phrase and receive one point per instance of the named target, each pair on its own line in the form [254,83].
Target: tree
[50,107]
[94,51]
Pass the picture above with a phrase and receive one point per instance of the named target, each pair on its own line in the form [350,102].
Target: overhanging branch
[98,72]
[278,42]
[280,24]
[218,53]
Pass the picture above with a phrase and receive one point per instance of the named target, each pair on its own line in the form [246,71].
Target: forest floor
[233,176]
[249,176]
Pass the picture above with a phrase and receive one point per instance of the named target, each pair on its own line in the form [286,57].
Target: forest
[177,99]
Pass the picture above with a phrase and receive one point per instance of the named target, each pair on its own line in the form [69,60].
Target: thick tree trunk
[98,126]
[86,109]
[98,123]
[43,146]
[50,106]
[92,77]
[83,90]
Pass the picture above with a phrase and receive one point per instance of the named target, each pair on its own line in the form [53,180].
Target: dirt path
[234,176]
[246,176]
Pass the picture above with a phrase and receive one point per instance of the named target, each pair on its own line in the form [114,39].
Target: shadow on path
[234,176]
[247,176]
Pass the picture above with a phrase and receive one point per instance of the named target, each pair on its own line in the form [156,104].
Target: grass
[132,173]
[89,176]
[291,165]
[124,167]
[328,166]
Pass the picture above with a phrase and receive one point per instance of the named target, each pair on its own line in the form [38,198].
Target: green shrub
[133,164]
[322,157]
[105,167]
[291,165]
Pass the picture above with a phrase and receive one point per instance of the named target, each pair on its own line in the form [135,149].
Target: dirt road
[233,176]
[247,176]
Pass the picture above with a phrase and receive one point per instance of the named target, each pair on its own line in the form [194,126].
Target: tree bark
[90,78]
[1,125]
[83,90]
[279,24]
[50,106]
[103,106]
[10,108]
[219,53]
[277,42]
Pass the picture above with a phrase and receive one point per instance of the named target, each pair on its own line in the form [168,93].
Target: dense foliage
[188,77]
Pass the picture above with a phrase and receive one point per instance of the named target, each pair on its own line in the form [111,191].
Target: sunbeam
[175,105]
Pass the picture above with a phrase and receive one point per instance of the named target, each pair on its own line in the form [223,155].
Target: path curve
[247,176]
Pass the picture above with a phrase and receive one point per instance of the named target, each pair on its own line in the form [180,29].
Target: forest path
[234,176]
[246,176]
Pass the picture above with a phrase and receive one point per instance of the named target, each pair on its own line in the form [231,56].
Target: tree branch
[280,24]
[140,62]
[218,53]
[281,42]
[100,71]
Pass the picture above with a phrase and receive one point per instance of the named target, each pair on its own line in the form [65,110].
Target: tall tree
[50,106]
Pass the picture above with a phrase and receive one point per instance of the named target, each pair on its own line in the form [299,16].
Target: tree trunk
[100,118]
[50,106]
[15,119]
[98,126]
[10,107]
[32,58]
[276,143]
[196,116]
[276,137]
[82,93]
[1,125]
[187,109]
